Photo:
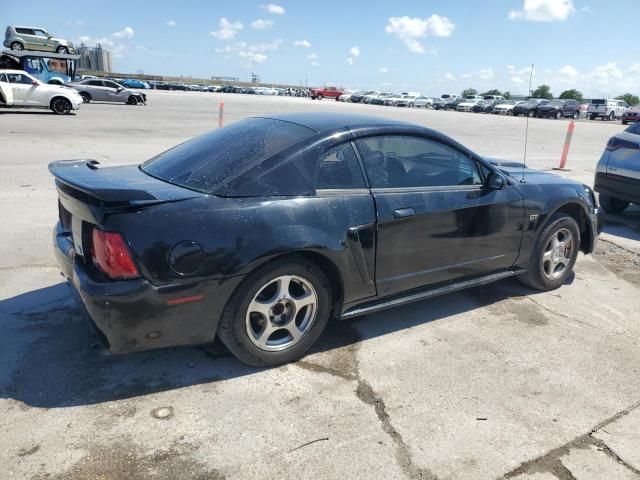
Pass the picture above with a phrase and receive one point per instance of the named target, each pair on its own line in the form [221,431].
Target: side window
[399,161]
[111,84]
[24,31]
[338,168]
[3,78]
[18,78]
[95,83]
[40,33]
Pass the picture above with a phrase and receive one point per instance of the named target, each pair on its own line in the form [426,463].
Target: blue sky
[432,46]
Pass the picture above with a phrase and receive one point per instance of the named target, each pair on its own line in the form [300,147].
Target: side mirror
[35,83]
[119,89]
[494,181]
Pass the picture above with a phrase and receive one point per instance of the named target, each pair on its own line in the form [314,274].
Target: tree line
[544,91]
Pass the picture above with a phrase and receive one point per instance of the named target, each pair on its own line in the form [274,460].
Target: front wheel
[613,204]
[62,49]
[277,313]
[612,116]
[61,106]
[17,46]
[558,115]
[575,115]
[86,97]
[554,254]
[132,100]
[531,114]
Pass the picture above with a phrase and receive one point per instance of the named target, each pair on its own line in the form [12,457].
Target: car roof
[9,70]
[330,122]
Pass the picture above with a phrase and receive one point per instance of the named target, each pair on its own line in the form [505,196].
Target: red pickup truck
[329,92]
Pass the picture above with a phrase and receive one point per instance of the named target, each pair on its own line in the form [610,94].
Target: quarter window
[338,168]
[400,161]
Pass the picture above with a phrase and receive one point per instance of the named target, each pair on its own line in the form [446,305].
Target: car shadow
[27,111]
[51,358]
[625,224]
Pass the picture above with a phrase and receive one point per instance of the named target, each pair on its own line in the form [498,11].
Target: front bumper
[134,315]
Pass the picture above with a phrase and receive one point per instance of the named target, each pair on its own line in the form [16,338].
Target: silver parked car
[106,91]
[618,172]
[33,38]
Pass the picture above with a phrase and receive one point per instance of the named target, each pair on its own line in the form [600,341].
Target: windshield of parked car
[215,158]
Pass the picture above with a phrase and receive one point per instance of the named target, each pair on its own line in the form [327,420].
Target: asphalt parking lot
[495,382]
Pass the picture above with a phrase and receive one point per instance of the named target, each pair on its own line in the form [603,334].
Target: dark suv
[529,108]
[559,108]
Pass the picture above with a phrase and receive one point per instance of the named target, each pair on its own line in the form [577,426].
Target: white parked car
[505,108]
[408,100]
[20,90]
[606,108]
[424,102]
[469,102]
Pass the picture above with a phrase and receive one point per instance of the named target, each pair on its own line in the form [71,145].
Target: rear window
[634,128]
[598,102]
[209,161]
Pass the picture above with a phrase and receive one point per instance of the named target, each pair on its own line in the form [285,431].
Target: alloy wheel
[61,106]
[557,254]
[17,46]
[281,313]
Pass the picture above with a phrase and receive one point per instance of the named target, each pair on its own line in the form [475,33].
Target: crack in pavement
[350,371]
[551,461]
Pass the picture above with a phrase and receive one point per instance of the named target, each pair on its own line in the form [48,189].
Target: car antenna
[526,131]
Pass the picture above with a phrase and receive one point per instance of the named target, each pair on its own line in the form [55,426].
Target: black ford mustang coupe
[261,231]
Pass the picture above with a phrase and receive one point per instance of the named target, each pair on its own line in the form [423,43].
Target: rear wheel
[86,97]
[558,115]
[132,100]
[60,106]
[277,313]
[575,115]
[62,49]
[612,116]
[613,204]
[531,114]
[17,46]
[554,254]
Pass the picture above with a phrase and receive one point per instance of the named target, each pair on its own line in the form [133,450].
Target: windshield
[215,158]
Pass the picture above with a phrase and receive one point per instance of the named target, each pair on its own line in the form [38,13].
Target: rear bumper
[133,315]
[616,186]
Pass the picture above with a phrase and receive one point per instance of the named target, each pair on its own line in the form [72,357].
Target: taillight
[111,255]
[616,143]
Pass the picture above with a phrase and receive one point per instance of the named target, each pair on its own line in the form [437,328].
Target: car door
[6,93]
[437,221]
[41,39]
[29,37]
[21,88]
[114,91]
[97,90]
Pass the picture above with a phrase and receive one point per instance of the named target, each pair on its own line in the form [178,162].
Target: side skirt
[433,292]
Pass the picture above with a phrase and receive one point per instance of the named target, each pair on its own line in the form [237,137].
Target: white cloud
[171,23]
[449,76]
[635,68]
[544,10]
[312,56]
[261,24]
[315,64]
[302,43]
[228,30]
[384,69]
[354,52]
[516,79]
[253,57]
[466,75]
[485,73]
[274,9]
[254,48]
[603,74]
[410,29]
[568,71]
[126,32]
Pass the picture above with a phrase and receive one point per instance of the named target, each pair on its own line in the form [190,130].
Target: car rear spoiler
[123,185]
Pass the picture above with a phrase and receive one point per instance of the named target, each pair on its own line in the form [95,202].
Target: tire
[613,204]
[543,273]
[531,114]
[411,105]
[612,116]
[17,46]
[62,49]
[133,100]
[86,97]
[558,115]
[319,97]
[242,329]
[575,115]
[624,122]
[60,106]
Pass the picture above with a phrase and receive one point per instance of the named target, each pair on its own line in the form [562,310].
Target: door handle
[404,212]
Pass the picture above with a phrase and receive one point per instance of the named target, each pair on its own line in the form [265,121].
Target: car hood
[516,169]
